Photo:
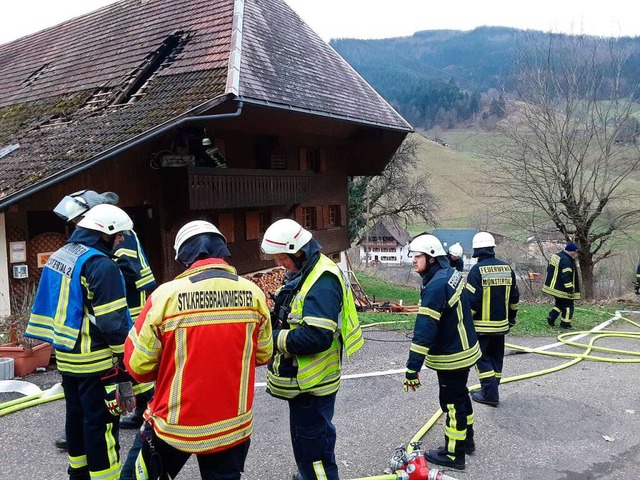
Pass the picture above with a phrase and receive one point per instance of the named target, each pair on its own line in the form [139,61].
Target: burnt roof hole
[135,85]
[30,80]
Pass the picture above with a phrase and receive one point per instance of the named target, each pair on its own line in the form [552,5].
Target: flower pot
[27,359]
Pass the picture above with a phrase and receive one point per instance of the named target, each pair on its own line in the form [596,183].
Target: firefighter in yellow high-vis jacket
[314,321]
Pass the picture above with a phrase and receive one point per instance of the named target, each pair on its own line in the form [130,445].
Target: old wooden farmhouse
[233,111]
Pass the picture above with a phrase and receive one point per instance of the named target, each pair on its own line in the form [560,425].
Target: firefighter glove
[111,401]
[126,397]
[411,381]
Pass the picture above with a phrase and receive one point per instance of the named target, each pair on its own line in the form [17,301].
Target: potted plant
[28,354]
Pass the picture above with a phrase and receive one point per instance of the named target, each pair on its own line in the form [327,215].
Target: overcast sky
[384,18]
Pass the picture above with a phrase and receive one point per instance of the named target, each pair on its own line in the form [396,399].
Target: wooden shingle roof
[77,92]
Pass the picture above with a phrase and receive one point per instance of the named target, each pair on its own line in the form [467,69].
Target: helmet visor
[70,207]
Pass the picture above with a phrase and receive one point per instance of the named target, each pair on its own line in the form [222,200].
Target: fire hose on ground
[434,474]
[408,463]
[29,400]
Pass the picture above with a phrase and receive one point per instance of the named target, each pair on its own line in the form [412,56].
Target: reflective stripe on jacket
[200,337]
[493,295]
[444,337]
[90,305]
[317,373]
[137,273]
[562,277]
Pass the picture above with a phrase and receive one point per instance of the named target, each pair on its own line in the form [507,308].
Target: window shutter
[226,226]
[252,225]
[302,155]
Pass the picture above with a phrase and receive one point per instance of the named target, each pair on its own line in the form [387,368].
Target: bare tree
[399,193]
[570,148]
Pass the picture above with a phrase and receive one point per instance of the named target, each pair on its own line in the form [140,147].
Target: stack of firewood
[269,281]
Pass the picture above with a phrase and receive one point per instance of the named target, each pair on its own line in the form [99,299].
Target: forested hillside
[447,77]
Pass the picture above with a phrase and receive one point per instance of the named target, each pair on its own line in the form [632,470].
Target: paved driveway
[579,423]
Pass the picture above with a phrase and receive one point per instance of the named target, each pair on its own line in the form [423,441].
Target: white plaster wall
[5,305]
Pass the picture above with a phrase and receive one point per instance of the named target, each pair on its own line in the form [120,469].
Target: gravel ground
[578,423]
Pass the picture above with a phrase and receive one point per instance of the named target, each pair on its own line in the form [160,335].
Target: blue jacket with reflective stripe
[58,308]
[86,312]
[444,337]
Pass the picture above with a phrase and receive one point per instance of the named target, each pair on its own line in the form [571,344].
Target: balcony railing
[221,188]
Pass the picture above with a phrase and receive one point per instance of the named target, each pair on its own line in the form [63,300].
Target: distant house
[385,243]
[232,111]
[540,247]
[449,236]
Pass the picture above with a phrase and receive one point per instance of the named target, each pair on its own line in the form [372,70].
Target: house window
[310,219]
[256,223]
[312,159]
[334,216]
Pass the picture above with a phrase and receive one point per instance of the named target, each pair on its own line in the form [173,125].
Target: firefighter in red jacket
[204,398]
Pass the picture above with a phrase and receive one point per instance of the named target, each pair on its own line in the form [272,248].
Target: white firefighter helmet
[194,228]
[285,236]
[456,249]
[483,240]
[107,219]
[428,244]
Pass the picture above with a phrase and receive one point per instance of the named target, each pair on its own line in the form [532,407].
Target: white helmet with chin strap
[285,236]
[428,244]
[483,240]
[456,250]
[107,219]
[192,229]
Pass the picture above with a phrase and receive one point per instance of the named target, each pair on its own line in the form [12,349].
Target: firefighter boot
[551,321]
[479,397]
[451,461]
[488,393]
[61,442]
[566,325]
[469,448]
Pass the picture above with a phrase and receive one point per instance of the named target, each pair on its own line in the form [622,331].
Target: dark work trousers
[564,308]
[128,469]
[92,432]
[223,465]
[489,367]
[456,404]
[313,435]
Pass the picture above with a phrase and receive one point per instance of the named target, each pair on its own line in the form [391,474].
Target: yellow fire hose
[575,358]
[53,393]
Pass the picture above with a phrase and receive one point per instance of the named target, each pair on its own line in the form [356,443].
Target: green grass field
[531,319]
[383,291]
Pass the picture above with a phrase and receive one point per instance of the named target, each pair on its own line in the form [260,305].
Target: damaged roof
[76,92]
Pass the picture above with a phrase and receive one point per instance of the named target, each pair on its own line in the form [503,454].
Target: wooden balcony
[222,188]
